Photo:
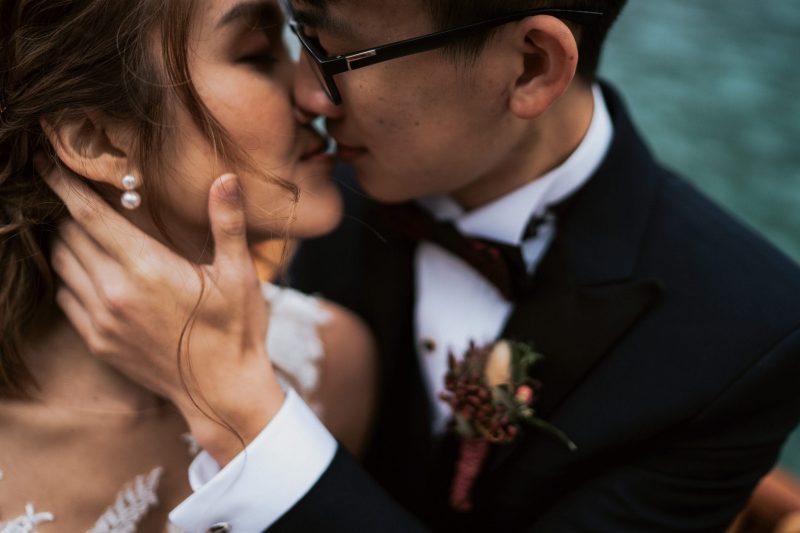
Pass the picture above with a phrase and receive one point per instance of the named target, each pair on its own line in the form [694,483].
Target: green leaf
[523,357]
[553,431]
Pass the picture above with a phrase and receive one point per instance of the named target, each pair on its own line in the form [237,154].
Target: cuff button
[222,527]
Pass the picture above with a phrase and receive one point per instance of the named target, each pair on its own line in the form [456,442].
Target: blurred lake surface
[715,87]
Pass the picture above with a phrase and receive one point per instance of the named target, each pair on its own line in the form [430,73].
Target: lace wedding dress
[295,349]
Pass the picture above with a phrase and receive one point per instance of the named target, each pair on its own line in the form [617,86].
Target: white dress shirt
[263,482]
[290,455]
[454,303]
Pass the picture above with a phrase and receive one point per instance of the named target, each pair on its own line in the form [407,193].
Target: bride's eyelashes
[265,61]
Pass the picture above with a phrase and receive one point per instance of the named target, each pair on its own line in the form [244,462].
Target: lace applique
[293,342]
[133,502]
[26,523]
[294,347]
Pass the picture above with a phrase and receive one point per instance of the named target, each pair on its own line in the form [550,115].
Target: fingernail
[233,191]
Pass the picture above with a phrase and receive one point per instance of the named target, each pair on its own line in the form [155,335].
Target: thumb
[228,224]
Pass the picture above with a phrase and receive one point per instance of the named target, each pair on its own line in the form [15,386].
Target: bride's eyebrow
[265,12]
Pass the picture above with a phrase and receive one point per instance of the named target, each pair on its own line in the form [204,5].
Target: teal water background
[715,87]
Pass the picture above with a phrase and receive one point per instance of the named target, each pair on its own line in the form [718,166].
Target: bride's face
[243,74]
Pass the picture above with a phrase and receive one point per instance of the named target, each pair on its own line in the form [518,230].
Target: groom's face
[414,126]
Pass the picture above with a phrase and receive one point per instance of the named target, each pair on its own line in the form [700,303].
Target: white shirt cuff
[264,481]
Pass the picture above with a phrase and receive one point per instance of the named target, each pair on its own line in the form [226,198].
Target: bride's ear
[93,147]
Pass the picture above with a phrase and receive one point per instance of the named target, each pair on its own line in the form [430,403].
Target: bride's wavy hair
[59,58]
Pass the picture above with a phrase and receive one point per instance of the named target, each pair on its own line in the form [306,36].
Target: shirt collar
[505,219]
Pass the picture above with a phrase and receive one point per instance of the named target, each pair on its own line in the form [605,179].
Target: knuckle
[115,299]
[233,227]
[68,229]
[141,271]
[104,326]
[97,345]
[146,272]
[58,259]
[83,213]
[61,297]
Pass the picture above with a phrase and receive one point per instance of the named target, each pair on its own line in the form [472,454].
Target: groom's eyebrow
[315,14]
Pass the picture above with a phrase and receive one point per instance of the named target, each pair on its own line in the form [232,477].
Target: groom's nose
[309,95]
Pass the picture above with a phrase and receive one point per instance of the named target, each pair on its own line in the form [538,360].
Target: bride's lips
[319,150]
[349,153]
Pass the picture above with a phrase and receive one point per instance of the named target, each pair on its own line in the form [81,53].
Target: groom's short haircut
[452,13]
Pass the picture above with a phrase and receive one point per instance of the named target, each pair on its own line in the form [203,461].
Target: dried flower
[491,395]
[524,394]
[498,365]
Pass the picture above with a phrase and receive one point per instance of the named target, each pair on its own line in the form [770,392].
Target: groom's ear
[92,146]
[546,58]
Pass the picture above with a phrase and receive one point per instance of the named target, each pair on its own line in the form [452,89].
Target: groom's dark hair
[591,36]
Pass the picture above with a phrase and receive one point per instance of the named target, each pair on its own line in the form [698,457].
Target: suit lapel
[585,295]
[573,326]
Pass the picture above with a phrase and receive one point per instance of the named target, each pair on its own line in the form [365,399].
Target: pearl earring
[130,198]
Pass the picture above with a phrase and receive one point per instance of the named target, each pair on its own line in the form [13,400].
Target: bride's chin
[319,226]
[309,220]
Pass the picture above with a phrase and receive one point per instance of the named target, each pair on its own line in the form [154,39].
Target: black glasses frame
[329,66]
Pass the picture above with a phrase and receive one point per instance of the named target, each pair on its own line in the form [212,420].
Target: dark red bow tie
[501,264]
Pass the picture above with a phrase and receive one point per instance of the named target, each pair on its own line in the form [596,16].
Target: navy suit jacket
[671,336]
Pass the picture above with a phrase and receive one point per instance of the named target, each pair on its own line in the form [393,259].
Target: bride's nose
[303,117]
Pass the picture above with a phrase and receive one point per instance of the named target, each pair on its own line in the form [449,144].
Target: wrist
[225,434]
[232,410]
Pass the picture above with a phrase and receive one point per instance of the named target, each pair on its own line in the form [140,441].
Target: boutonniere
[492,397]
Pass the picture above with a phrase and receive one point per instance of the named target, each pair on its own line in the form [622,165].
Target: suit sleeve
[292,452]
[699,478]
[346,499]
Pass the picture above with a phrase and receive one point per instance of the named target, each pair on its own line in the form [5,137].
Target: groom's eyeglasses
[326,67]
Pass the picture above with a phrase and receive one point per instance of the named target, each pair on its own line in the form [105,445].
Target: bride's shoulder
[295,313]
[348,377]
[343,353]
[345,331]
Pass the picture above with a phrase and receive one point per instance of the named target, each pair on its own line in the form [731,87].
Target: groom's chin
[384,189]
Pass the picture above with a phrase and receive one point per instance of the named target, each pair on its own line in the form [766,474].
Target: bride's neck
[69,376]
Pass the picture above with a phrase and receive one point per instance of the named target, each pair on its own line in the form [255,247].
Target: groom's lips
[349,153]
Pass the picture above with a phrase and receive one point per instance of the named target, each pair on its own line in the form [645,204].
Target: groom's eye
[312,37]
[316,42]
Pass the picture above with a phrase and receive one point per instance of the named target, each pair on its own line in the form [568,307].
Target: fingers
[229,226]
[92,259]
[78,316]
[74,275]
[112,232]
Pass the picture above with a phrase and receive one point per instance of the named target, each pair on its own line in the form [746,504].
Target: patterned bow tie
[501,264]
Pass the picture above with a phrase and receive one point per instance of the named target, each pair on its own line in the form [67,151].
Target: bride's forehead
[219,13]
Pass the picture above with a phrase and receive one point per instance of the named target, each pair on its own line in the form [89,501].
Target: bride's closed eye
[255,33]
[261,60]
